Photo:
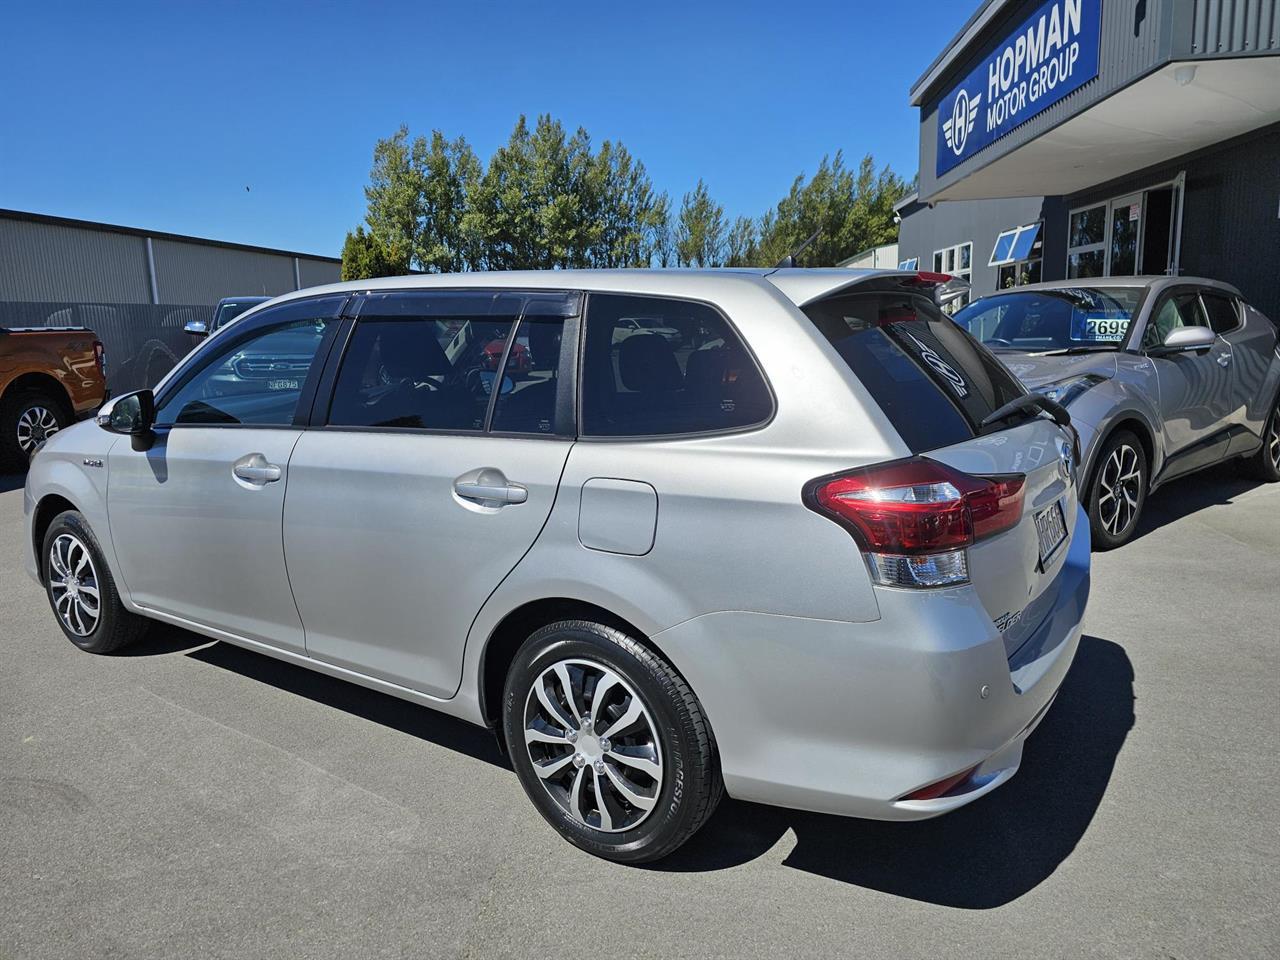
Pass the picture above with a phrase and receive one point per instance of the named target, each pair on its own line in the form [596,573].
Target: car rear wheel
[27,420]
[82,591]
[609,742]
[1118,491]
[1265,464]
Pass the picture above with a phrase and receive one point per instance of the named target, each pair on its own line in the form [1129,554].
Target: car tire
[634,795]
[27,419]
[74,570]
[1118,490]
[1265,464]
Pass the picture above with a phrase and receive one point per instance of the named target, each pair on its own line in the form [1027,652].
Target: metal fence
[142,341]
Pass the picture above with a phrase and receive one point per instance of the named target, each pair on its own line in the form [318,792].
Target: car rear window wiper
[1029,403]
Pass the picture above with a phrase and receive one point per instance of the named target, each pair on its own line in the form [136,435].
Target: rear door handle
[254,468]
[489,486]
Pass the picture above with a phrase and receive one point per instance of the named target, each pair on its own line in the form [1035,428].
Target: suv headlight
[1065,391]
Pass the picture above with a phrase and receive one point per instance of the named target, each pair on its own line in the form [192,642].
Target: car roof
[800,285]
[1152,282]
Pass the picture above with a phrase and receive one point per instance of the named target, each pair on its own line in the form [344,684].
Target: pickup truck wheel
[609,742]
[82,591]
[27,420]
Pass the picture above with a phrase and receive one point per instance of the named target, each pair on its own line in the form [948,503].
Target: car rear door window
[530,384]
[654,366]
[1222,312]
[431,360]
[932,379]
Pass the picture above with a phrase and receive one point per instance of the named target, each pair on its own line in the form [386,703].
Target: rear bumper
[848,718]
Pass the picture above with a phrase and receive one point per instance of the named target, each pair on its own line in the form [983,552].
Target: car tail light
[100,357]
[913,518]
[935,790]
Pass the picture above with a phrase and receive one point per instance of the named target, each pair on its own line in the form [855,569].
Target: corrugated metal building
[135,288]
[1138,136]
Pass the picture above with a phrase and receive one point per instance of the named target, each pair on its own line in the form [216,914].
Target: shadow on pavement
[162,639]
[1180,498]
[12,481]
[420,722]
[982,856]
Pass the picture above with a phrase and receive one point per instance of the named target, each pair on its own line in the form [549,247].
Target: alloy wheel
[73,583]
[36,425]
[1273,439]
[593,745]
[1119,489]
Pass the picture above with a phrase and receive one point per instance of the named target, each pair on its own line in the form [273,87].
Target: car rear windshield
[933,381]
[1035,321]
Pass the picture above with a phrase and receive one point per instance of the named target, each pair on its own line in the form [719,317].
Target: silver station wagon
[788,534]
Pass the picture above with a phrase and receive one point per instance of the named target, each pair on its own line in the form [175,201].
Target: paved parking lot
[195,800]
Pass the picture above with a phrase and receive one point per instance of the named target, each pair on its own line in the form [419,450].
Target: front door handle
[489,487]
[254,468]
[1224,359]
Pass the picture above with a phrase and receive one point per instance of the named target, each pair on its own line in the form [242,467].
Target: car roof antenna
[790,259]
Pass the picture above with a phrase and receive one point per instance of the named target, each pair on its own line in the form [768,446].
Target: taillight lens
[914,517]
[100,357]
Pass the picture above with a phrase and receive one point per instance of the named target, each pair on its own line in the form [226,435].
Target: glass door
[1125,229]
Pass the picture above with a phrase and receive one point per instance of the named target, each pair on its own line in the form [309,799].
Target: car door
[196,519]
[1253,343]
[1195,386]
[428,476]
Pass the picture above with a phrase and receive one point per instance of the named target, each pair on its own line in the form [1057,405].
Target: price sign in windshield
[1096,329]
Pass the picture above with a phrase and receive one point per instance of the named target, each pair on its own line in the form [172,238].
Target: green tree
[364,257]
[446,171]
[394,197]
[740,247]
[700,232]
[851,210]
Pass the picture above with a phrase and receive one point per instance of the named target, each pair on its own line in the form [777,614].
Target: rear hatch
[937,384]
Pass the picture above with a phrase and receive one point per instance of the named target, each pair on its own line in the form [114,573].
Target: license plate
[1052,530]
[282,384]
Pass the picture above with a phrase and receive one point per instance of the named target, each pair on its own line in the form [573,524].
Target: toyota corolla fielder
[820,550]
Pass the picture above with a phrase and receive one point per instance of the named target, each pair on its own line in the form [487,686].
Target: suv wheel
[1118,491]
[1265,464]
[81,590]
[27,420]
[609,742]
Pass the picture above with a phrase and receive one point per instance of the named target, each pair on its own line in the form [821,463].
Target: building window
[958,262]
[912,263]
[1017,255]
[1087,242]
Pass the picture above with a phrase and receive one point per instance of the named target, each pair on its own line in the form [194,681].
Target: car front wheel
[1118,491]
[609,742]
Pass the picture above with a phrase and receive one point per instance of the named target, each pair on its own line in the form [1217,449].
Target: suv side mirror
[197,328]
[1186,339]
[132,415]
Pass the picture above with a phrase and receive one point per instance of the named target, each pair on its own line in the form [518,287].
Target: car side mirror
[131,415]
[1185,339]
[197,328]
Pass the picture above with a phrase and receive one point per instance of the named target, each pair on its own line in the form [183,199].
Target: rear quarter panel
[66,356]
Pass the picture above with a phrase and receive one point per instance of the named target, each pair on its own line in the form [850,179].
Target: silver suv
[818,549]
[1163,376]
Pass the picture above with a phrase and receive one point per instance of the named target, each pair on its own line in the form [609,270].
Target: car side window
[1223,314]
[526,400]
[1174,311]
[430,361]
[654,366]
[256,379]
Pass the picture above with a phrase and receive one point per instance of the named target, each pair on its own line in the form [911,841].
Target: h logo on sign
[964,114]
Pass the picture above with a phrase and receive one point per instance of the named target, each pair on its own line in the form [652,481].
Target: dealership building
[1087,138]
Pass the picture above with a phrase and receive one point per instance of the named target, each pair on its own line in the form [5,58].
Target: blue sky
[159,116]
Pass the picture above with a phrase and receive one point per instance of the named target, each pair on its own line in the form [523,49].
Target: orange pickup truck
[49,377]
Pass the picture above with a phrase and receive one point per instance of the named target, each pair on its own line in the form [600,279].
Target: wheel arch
[33,381]
[513,629]
[42,517]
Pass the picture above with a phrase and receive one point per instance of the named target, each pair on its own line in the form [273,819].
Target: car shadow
[162,639]
[982,856]
[417,721]
[1214,486]
[12,481]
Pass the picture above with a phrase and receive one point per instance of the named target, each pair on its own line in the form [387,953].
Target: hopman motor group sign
[1052,53]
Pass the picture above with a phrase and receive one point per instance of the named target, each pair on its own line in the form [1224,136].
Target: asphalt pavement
[196,800]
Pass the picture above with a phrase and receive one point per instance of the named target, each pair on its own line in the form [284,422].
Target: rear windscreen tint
[933,381]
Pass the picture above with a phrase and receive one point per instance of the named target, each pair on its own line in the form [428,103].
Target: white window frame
[1016,233]
[911,263]
[957,271]
[1109,205]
